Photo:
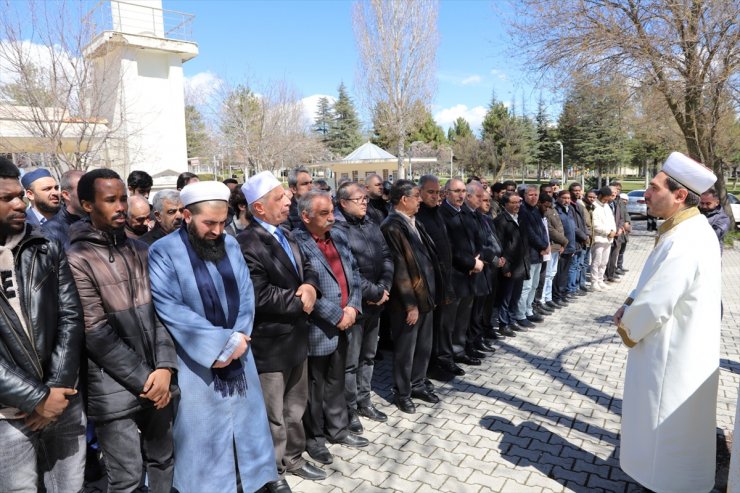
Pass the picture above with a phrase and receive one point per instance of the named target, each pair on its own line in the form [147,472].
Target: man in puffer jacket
[131,357]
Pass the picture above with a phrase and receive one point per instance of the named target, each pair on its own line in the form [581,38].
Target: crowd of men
[236,327]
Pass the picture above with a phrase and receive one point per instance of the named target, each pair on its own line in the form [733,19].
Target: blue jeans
[529,288]
[574,272]
[552,269]
[56,453]
[585,266]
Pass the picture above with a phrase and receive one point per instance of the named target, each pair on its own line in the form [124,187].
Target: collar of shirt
[269,227]
[455,208]
[514,217]
[39,216]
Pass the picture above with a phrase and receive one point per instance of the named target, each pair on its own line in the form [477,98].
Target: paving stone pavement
[540,415]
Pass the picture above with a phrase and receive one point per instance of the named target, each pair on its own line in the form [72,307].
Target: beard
[208,250]
[47,207]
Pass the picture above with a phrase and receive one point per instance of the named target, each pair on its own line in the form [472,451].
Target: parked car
[636,203]
[735,205]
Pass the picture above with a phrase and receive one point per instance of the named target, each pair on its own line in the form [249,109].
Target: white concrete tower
[137,55]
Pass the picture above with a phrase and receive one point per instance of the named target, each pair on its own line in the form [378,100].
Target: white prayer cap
[257,186]
[204,190]
[624,196]
[692,175]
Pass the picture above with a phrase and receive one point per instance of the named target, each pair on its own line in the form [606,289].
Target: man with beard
[137,217]
[285,289]
[377,206]
[712,210]
[168,211]
[42,192]
[204,296]
[300,183]
[131,357]
[58,226]
[329,253]
[42,424]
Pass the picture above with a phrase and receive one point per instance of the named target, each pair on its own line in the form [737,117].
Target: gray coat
[323,334]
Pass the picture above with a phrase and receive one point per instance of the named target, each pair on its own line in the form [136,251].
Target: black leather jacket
[51,357]
[371,253]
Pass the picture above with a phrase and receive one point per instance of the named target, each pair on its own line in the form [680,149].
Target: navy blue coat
[569,226]
[536,232]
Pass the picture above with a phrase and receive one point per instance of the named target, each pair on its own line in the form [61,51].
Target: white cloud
[310,104]
[473,79]
[201,87]
[446,116]
[499,74]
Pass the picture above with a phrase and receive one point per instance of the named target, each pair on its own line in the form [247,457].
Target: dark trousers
[286,395]
[479,324]
[326,414]
[509,293]
[444,326]
[560,283]
[541,285]
[611,266]
[620,257]
[122,441]
[412,346]
[462,324]
[362,343]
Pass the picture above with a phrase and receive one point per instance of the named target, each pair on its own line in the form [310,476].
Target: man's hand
[348,319]
[501,261]
[618,316]
[157,387]
[37,422]
[55,403]
[478,264]
[412,316]
[307,294]
[385,297]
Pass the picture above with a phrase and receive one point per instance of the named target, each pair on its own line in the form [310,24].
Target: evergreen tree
[323,120]
[196,134]
[459,128]
[344,134]
[428,132]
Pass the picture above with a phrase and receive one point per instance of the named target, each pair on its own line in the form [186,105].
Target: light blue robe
[207,425]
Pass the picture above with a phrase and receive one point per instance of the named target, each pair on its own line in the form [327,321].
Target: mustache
[119,216]
[16,215]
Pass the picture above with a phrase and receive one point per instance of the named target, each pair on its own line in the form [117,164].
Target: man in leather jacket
[42,424]
[131,357]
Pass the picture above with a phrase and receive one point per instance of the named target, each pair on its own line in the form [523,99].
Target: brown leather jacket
[125,340]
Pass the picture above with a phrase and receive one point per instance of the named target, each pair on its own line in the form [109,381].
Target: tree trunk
[401,166]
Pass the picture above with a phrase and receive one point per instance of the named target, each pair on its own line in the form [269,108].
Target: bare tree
[688,50]
[397,41]
[266,131]
[51,90]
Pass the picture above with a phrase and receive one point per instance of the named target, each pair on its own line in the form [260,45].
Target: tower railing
[142,20]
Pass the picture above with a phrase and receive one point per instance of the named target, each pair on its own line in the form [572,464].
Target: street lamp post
[562,169]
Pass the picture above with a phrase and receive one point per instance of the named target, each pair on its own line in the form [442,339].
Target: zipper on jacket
[24,314]
[149,348]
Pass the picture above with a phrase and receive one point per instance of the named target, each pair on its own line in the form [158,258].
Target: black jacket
[437,230]
[51,358]
[515,246]
[124,338]
[57,228]
[377,210]
[294,218]
[153,235]
[371,253]
[536,232]
[280,333]
[466,245]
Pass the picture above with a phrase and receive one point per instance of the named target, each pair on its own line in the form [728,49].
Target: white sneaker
[596,287]
[604,286]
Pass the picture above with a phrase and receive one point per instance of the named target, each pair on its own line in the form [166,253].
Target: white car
[735,205]
[636,203]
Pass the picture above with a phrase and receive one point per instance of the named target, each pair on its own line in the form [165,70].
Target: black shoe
[320,454]
[350,440]
[581,293]
[310,472]
[451,368]
[524,323]
[506,331]
[624,270]
[425,395]
[544,310]
[354,425]
[279,486]
[467,360]
[553,305]
[585,289]
[620,272]
[485,346]
[371,412]
[518,328]
[428,385]
[536,318]
[475,354]
[406,405]
[561,302]
[491,334]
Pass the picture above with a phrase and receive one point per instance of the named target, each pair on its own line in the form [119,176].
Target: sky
[310,44]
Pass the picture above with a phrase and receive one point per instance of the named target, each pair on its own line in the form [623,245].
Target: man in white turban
[671,323]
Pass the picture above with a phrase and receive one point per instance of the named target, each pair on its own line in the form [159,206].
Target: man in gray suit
[335,311]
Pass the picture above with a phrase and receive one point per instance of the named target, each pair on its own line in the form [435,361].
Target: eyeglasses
[359,200]
[459,190]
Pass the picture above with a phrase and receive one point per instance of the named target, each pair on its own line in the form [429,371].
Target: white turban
[692,175]
[257,186]
[204,190]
